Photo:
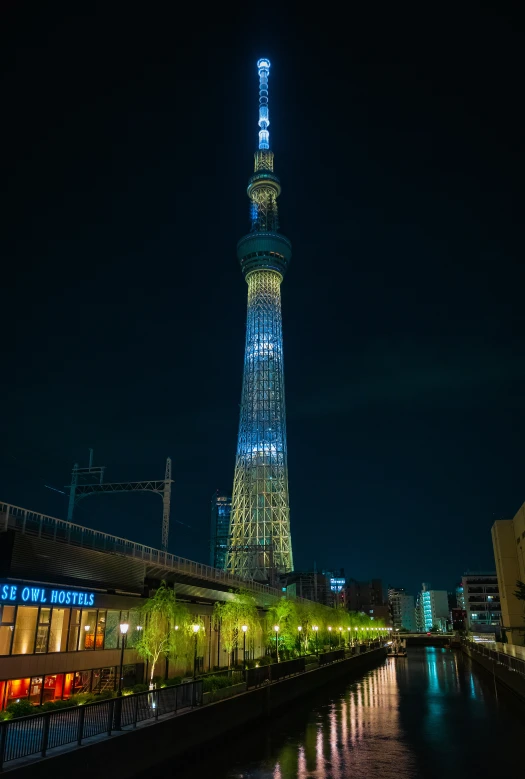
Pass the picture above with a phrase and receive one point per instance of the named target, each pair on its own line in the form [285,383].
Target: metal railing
[38,733]
[501,658]
[51,528]
[332,657]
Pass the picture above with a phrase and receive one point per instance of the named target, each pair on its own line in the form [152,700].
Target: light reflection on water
[429,715]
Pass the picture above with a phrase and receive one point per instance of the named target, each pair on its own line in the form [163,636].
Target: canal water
[432,714]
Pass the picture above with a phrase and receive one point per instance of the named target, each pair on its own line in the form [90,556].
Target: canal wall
[509,679]
[129,753]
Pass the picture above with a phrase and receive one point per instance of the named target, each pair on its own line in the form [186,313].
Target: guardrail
[38,733]
[501,658]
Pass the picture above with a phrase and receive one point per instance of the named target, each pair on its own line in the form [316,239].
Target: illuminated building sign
[17,593]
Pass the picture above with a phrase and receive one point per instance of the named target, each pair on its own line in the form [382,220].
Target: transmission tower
[90,481]
[260,541]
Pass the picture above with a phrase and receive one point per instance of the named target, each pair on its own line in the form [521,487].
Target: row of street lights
[124,627]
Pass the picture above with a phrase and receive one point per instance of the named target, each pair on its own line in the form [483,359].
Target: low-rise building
[65,592]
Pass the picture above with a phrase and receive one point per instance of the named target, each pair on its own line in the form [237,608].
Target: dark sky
[129,134]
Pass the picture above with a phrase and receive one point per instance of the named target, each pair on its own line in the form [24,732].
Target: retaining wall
[129,753]
[510,679]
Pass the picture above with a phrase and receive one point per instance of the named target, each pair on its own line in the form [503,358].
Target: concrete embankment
[504,676]
[132,752]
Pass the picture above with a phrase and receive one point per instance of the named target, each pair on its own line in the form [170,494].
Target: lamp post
[315,628]
[340,634]
[349,638]
[124,626]
[330,635]
[299,628]
[244,628]
[355,638]
[195,629]
[276,628]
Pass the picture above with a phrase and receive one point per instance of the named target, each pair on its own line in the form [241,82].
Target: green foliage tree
[240,610]
[166,626]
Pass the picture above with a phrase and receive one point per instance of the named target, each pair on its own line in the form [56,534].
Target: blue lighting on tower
[263,66]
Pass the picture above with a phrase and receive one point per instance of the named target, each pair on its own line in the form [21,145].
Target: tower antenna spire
[263,66]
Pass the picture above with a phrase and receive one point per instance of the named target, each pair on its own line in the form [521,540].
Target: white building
[431,609]
[402,609]
[482,601]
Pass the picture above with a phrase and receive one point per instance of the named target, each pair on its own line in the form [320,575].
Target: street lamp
[244,628]
[276,628]
[330,635]
[195,629]
[315,628]
[124,627]
[299,628]
[340,634]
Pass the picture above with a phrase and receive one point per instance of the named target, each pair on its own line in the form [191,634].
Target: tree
[284,614]
[240,610]
[161,615]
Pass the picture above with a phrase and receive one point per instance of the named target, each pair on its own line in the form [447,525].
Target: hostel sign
[19,593]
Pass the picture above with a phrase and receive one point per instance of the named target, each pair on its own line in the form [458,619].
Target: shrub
[172,681]
[103,695]
[213,683]
[5,715]
[140,688]
[157,680]
[55,705]
[23,708]
[80,698]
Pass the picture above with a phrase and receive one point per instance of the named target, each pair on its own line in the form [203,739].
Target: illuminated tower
[260,543]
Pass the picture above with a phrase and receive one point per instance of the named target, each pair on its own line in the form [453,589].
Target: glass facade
[41,689]
[27,630]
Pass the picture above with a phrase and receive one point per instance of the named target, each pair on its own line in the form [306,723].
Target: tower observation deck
[260,542]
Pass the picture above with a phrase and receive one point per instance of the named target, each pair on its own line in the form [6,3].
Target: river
[432,714]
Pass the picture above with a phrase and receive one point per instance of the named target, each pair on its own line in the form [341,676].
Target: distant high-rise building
[402,609]
[337,584]
[308,584]
[460,596]
[431,609]
[482,601]
[221,506]
[363,596]
[367,597]
[508,539]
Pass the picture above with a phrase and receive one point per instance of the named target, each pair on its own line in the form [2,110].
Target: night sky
[128,142]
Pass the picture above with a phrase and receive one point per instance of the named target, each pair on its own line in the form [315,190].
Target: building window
[35,690]
[7,625]
[16,690]
[25,630]
[53,687]
[58,631]
[42,633]
[101,628]
[74,629]
[112,629]
[88,626]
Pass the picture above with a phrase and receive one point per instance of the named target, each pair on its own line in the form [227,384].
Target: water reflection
[428,715]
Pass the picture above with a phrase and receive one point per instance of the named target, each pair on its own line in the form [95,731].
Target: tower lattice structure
[260,543]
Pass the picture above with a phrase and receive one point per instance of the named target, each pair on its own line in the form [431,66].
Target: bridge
[54,537]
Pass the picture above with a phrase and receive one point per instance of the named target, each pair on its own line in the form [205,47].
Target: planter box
[225,692]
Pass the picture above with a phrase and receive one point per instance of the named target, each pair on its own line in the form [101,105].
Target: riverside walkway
[44,735]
